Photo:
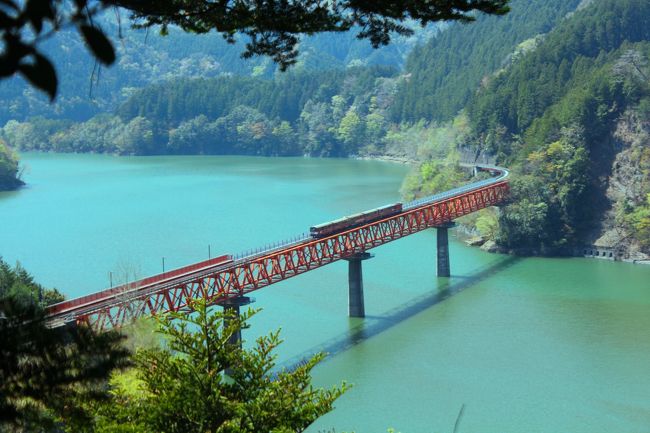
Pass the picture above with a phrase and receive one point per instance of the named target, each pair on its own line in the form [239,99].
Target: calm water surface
[527,345]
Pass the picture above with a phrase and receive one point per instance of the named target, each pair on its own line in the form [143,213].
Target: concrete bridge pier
[232,306]
[356,305]
[442,236]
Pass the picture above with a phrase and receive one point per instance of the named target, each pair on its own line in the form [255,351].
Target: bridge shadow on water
[375,325]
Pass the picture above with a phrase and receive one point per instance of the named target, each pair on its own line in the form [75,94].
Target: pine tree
[183,386]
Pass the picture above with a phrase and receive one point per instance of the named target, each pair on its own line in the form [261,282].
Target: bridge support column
[356,307]
[232,306]
[442,236]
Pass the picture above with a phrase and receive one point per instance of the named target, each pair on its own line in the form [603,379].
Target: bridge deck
[224,278]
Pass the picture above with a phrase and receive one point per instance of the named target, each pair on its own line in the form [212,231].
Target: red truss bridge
[226,280]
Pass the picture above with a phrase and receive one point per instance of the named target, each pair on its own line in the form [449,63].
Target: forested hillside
[445,72]
[553,116]
[558,91]
[334,113]
[83,119]
[570,117]
[147,58]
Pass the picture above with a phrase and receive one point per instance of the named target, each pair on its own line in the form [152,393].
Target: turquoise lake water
[526,345]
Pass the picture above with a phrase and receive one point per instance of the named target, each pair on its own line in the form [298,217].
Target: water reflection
[371,326]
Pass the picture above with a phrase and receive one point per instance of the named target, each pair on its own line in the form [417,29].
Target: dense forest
[9,170]
[446,71]
[318,113]
[145,58]
[342,111]
[570,117]
[17,283]
[552,116]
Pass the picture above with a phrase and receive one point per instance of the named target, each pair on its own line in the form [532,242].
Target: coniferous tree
[183,387]
[48,375]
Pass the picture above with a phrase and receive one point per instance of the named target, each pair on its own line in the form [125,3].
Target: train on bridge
[352,221]
[356,220]
[168,291]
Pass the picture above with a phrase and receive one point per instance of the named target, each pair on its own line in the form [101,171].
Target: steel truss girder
[242,278]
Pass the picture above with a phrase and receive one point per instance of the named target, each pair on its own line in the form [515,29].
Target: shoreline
[464,233]
[469,238]
[386,158]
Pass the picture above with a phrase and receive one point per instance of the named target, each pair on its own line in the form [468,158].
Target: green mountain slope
[445,72]
[144,59]
[522,93]
[333,113]
[568,111]
[554,115]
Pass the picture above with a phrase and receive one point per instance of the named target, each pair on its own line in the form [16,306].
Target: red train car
[104,295]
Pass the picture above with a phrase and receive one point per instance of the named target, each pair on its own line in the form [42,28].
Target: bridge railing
[123,289]
[456,191]
[302,237]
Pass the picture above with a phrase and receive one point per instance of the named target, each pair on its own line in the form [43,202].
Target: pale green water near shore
[528,345]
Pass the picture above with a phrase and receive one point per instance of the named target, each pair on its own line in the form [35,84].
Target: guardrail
[298,239]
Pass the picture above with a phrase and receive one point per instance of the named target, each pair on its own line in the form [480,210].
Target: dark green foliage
[9,175]
[446,71]
[336,113]
[182,387]
[549,116]
[522,93]
[47,375]
[283,98]
[526,223]
[18,284]
[551,197]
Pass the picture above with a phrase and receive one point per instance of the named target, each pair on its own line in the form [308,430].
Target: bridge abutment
[356,306]
[442,235]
